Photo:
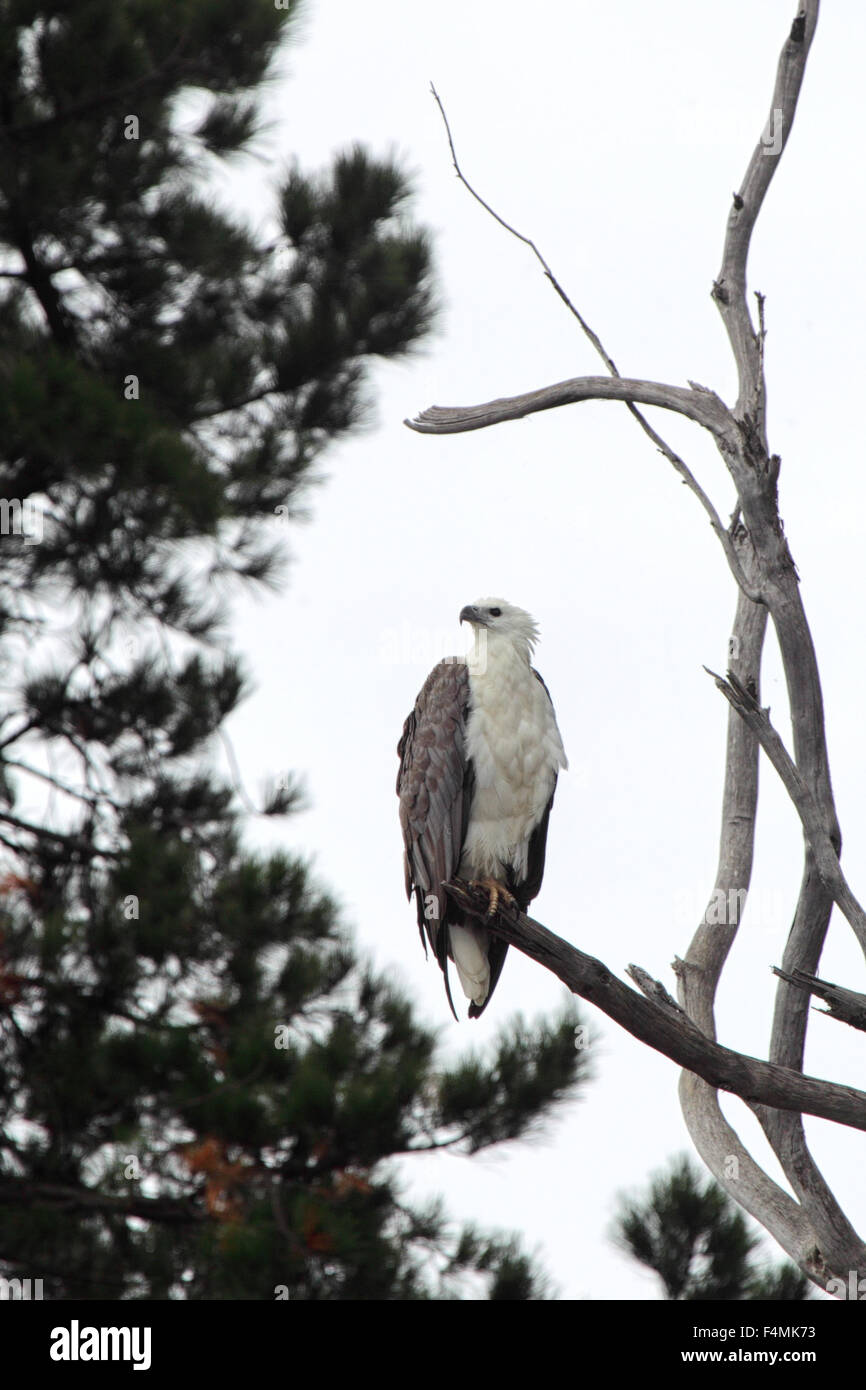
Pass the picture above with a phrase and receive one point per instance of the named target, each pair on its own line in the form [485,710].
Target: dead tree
[810,1226]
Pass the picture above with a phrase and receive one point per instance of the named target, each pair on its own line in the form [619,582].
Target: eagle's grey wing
[434,785]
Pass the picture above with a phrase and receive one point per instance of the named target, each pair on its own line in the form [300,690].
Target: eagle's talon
[495,891]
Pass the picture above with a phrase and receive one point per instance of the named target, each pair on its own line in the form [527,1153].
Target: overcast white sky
[614,135]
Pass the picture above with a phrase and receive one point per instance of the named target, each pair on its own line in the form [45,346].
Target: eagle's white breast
[515,747]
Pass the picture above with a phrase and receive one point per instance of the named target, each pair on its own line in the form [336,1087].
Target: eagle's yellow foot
[496,891]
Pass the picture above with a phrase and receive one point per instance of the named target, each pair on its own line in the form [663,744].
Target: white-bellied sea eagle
[479,759]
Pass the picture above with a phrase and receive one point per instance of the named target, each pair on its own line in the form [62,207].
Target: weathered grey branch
[726,537]
[748,1077]
[846,1005]
[704,407]
[729,290]
[698,975]
[811,815]
[655,991]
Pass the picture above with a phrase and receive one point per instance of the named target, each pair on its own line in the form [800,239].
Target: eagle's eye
[496,612]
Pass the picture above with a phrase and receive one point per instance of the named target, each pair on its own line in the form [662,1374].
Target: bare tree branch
[698,975]
[748,1077]
[704,407]
[811,815]
[843,1004]
[729,290]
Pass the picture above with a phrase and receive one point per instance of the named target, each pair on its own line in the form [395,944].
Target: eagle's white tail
[469,945]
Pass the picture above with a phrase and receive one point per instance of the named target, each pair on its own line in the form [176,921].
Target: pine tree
[699,1243]
[200,1085]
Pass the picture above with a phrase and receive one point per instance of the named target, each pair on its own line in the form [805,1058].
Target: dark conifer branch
[190,1049]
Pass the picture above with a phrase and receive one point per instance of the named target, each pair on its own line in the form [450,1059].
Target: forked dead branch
[810,1226]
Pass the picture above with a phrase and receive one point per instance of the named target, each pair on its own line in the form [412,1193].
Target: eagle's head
[496,618]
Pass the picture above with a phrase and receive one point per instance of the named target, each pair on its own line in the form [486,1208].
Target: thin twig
[661,444]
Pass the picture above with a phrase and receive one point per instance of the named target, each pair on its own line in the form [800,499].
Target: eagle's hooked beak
[471,614]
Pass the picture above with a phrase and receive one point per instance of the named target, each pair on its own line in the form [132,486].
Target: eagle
[479,760]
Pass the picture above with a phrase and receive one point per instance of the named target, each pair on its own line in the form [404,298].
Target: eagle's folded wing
[434,787]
